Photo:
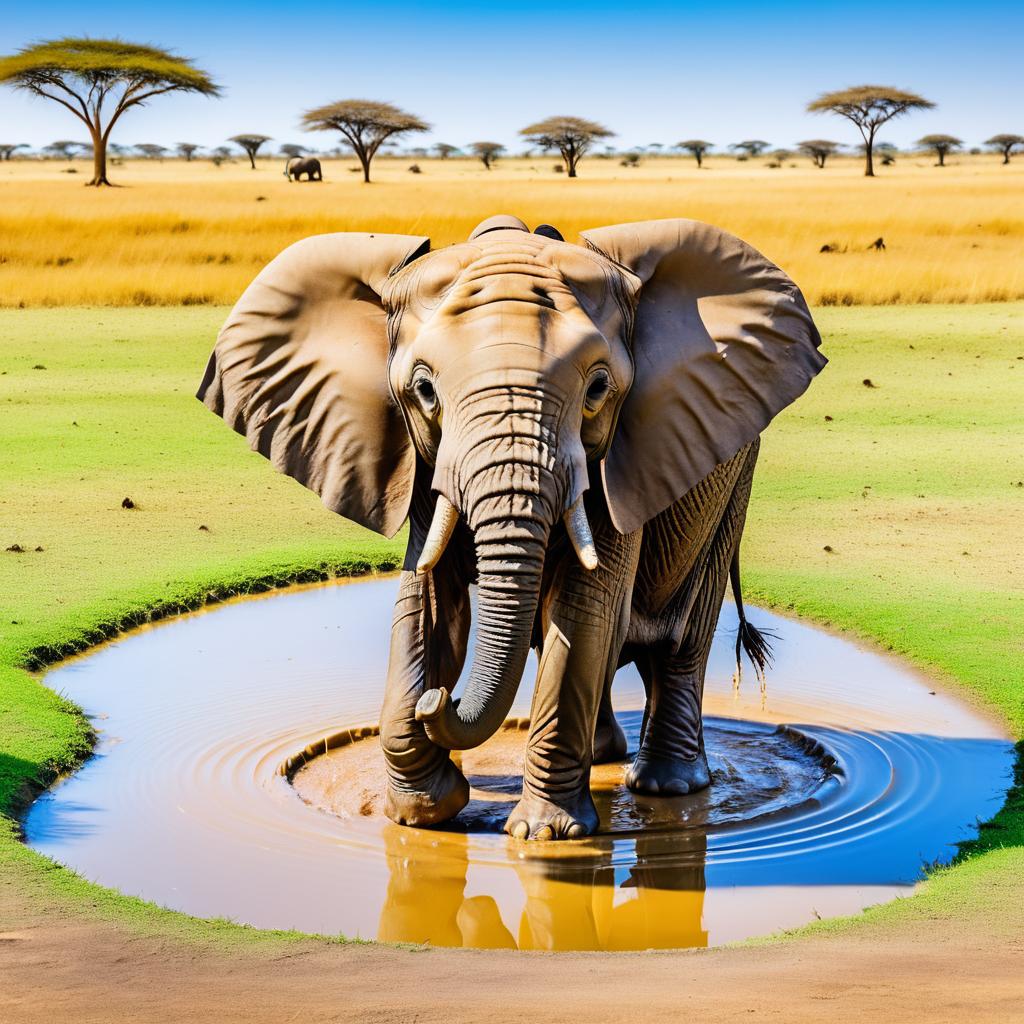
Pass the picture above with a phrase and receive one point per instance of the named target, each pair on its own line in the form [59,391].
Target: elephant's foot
[536,817]
[660,775]
[437,798]
[609,740]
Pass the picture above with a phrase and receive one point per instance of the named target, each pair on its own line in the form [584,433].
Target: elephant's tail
[754,641]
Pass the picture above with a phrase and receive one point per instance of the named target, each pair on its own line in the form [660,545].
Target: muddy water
[827,797]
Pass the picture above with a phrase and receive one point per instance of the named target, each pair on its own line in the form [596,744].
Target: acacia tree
[187,149]
[752,147]
[869,107]
[1005,144]
[290,150]
[99,79]
[571,136]
[365,124]
[63,148]
[151,151]
[488,152]
[7,148]
[942,144]
[251,144]
[697,147]
[819,150]
[444,150]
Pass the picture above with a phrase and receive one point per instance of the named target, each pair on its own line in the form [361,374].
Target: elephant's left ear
[300,368]
[723,341]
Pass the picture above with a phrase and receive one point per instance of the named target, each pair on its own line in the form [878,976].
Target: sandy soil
[75,969]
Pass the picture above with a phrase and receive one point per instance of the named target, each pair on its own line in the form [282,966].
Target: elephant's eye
[598,390]
[423,388]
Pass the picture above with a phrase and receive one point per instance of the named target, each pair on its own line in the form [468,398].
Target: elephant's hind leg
[671,759]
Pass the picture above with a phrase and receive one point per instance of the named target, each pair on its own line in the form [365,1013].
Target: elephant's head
[497,373]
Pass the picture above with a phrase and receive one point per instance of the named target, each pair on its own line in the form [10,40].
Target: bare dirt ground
[77,969]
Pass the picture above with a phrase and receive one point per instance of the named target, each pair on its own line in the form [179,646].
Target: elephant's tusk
[579,533]
[446,518]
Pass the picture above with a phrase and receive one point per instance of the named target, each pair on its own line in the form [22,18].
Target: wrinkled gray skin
[297,166]
[634,373]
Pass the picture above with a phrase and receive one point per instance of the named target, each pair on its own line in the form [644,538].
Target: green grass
[916,484]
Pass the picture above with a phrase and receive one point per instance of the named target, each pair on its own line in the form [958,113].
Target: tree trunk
[942,157]
[1006,155]
[99,160]
[252,158]
[364,160]
[869,145]
[700,159]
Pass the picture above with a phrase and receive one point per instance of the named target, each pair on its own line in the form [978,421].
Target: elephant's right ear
[300,368]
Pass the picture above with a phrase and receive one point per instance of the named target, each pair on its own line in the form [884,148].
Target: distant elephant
[573,428]
[297,166]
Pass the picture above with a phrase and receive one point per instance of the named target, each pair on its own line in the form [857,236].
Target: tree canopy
[942,144]
[251,144]
[7,148]
[187,149]
[97,80]
[869,107]
[64,148]
[571,136]
[1005,144]
[488,152]
[697,147]
[752,147]
[365,124]
[819,150]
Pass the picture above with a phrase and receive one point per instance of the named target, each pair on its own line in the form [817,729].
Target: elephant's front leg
[423,785]
[583,632]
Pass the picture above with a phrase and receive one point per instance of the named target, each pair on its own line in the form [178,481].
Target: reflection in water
[185,805]
[572,901]
[426,898]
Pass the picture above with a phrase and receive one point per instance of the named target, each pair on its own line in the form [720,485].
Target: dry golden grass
[180,233]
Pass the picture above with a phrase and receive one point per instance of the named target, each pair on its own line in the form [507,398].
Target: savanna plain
[195,233]
[887,505]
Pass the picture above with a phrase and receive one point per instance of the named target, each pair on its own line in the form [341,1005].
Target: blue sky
[655,72]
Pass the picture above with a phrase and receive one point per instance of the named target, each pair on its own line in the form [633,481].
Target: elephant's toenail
[576,831]
[520,830]
[544,832]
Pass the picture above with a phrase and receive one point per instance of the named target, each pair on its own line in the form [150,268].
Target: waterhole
[237,776]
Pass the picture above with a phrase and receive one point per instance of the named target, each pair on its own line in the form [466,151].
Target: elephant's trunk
[510,482]
[510,560]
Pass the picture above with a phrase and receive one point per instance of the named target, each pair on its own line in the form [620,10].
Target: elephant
[296,166]
[573,428]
